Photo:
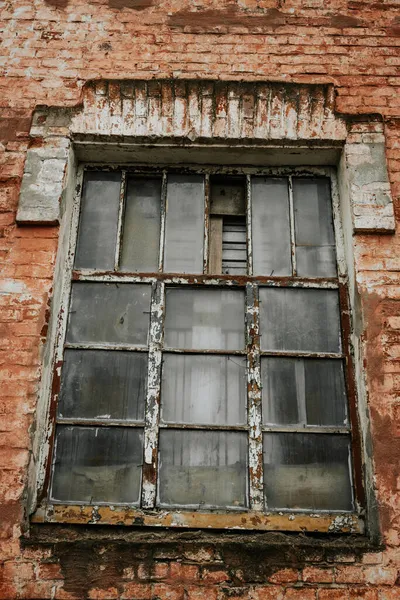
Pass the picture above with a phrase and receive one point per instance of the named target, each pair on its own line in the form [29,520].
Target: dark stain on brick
[134,4]
[105,46]
[209,19]
[342,21]
[12,127]
[58,3]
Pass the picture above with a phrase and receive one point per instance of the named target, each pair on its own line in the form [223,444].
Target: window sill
[323,522]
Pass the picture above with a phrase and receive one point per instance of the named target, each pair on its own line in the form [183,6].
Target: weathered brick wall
[49,50]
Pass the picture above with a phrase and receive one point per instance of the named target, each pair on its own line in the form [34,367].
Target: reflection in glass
[307,471]
[103,385]
[315,238]
[203,468]
[184,226]
[204,319]
[97,234]
[142,223]
[303,391]
[204,389]
[97,464]
[109,312]
[270,226]
[299,319]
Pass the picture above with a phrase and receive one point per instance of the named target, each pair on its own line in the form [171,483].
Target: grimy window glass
[203,365]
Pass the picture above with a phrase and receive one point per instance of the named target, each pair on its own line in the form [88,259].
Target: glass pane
[205,469]
[103,385]
[184,226]
[303,391]
[270,226]
[142,223]
[204,319]
[315,238]
[227,195]
[307,471]
[98,223]
[98,464]
[109,312]
[204,389]
[299,319]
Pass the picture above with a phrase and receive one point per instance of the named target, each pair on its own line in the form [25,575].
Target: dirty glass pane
[270,226]
[142,223]
[204,319]
[184,226]
[97,234]
[109,312]
[303,391]
[299,319]
[103,385]
[98,464]
[204,389]
[227,195]
[315,238]
[204,469]
[307,471]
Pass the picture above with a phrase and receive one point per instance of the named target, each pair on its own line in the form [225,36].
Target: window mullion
[152,415]
[206,223]
[163,217]
[249,227]
[292,227]
[122,194]
[254,399]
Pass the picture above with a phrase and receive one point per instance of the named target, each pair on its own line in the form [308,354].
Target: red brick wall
[49,49]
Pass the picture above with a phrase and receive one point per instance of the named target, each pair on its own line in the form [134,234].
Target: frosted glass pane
[270,226]
[98,464]
[307,471]
[142,223]
[299,319]
[303,391]
[103,385]
[315,238]
[97,234]
[184,226]
[204,469]
[109,312]
[204,389]
[204,319]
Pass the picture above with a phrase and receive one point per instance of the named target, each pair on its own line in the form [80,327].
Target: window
[204,365]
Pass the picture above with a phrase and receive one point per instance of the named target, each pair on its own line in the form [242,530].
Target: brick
[201,593]
[380,575]
[332,594]
[300,594]
[214,576]
[317,575]
[49,571]
[141,591]
[349,575]
[162,591]
[284,576]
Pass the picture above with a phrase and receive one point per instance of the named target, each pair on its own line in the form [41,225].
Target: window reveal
[219,295]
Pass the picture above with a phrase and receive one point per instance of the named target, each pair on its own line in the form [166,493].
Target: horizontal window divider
[194,426]
[300,354]
[204,351]
[219,280]
[93,346]
[337,522]
[99,422]
[305,429]
[152,170]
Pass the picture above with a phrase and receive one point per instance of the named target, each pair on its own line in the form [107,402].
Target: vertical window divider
[254,405]
[206,222]
[152,412]
[122,195]
[163,217]
[292,228]
[248,226]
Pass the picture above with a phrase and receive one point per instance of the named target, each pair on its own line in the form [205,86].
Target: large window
[203,363]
